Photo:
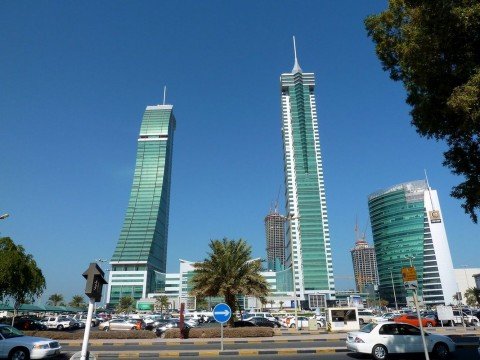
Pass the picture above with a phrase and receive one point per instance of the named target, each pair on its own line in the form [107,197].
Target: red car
[413,320]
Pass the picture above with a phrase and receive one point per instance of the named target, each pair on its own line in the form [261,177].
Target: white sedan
[16,346]
[385,338]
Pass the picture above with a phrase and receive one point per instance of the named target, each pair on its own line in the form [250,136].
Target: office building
[408,229]
[308,250]
[138,264]
[275,236]
[364,264]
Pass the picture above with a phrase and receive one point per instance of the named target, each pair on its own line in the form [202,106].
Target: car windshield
[368,327]
[9,332]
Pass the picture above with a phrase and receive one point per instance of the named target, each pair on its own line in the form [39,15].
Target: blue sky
[75,78]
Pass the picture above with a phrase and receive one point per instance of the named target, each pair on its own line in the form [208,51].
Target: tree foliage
[56,300]
[162,303]
[20,278]
[472,296]
[229,271]
[433,47]
[125,305]
[78,301]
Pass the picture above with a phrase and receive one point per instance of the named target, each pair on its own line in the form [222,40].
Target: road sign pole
[420,323]
[86,335]
[221,337]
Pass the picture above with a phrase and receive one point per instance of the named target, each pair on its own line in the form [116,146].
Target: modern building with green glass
[308,239]
[138,264]
[408,229]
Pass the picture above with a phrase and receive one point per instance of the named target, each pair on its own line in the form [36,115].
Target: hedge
[199,332]
[78,335]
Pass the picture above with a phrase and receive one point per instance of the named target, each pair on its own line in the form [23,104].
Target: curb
[213,353]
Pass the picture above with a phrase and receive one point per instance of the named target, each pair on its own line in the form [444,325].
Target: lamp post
[290,218]
[393,287]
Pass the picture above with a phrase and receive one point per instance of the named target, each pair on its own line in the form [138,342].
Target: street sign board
[409,276]
[95,281]
[222,313]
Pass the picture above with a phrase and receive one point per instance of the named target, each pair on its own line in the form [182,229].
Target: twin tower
[138,265]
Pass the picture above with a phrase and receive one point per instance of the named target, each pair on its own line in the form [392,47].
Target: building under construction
[364,263]
[275,235]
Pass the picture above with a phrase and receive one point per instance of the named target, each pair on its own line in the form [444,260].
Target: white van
[265,315]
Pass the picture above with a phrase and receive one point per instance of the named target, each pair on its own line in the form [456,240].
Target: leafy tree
[472,296]
[433,47]
[281,304]
[125,304]
[20,278]
[56,300]
[229,271]
[162,303]
[78,301]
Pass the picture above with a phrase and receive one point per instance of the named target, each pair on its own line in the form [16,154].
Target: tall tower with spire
[309,254]
[138,264]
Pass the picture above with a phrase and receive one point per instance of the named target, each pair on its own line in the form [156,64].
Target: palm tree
[162,303]
[78,301]
[125,305]
[229,271]
[281,305]
[472,296]
[55,299]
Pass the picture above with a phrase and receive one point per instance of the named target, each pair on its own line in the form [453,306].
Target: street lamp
[290,218]
[393,287]
[4,216]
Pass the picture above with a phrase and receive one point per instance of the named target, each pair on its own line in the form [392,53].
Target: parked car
[302,322]
[117,324]
[25,323]
[15,345]
[59,322]
[261,321]
[385,317]
[265,315]
[380,340]
[467,318]
[365,316]
[243,323]
[413,320]
[171,324]
[83,318]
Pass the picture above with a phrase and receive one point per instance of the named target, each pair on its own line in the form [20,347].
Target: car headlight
[41,346]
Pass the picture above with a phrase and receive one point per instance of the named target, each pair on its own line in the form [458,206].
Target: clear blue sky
[75,78]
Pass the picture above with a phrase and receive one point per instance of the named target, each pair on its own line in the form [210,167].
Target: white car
[15,345]
[385,317]
[380,340]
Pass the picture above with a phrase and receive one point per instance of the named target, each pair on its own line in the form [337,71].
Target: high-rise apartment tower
[408,229]
[308,239]
[138,264]
[275,235]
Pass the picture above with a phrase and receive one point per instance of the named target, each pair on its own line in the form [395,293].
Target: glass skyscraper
[308,239]
[407,226]
[138,264]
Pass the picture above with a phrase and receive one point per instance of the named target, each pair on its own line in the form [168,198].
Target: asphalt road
[461,354]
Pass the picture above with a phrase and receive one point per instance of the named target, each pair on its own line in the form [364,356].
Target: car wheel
[379,352]
[293,326]
[19,354]
[440,351]
[429,324]
[106,328]
[60,327]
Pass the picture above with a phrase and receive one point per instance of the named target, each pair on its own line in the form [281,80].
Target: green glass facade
[397,219]
[307,234]
[141,251]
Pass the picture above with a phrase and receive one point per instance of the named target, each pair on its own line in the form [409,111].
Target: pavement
[470,334]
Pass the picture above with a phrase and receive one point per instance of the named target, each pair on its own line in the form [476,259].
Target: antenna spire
[296,66]
[164,94]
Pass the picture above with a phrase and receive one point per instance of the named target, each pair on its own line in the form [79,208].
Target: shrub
[198,333]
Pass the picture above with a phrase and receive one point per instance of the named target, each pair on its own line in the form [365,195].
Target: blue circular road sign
[222,313]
